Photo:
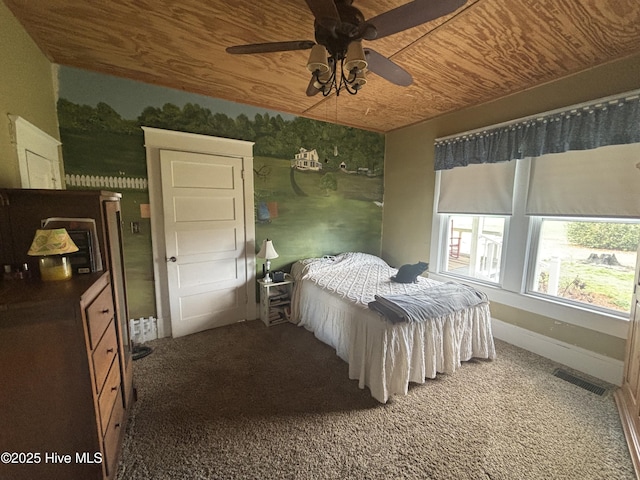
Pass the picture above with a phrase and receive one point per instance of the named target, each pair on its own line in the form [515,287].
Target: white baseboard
[605,368]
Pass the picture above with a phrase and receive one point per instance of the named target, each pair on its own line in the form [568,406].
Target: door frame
[155,140]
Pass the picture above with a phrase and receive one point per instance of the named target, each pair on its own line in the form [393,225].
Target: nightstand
[275,301]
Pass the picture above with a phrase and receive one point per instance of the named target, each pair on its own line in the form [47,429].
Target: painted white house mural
[307,160]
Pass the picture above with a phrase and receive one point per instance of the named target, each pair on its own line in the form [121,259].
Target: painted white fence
[107,182]
[142,330]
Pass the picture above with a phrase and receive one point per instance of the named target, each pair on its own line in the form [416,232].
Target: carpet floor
[250,402]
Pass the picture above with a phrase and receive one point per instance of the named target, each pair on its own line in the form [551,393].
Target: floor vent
[564,375]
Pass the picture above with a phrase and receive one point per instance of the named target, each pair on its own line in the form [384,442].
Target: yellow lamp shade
[52,246]
[52,242]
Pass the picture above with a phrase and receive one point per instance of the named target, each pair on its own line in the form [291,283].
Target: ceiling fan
[338,61]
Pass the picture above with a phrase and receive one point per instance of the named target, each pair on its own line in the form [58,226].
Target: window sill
[608,324]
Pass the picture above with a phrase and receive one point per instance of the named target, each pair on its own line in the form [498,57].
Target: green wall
[410,181]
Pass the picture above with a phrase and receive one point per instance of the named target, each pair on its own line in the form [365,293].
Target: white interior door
[204,225]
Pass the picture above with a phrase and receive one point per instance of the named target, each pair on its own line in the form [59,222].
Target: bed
[331,298]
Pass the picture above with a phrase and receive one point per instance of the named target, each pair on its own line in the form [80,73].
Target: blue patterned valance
[601,123]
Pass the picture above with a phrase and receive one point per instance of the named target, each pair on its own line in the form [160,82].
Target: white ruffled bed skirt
[385,357]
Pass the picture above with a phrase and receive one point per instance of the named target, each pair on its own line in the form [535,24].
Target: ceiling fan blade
[325,12]
[387,69]
[271,47]
[412,14]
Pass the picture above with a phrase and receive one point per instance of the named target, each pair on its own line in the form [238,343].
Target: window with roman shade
[546,177]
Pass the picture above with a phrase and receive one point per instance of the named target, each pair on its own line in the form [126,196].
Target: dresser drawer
[112,435]
[108,395]
[99,314]
[103,355]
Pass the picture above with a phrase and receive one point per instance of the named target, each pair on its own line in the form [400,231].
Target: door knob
[172,259]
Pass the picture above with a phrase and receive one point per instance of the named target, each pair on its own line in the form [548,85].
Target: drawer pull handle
[117,425]
[105,311]
[109,350]
[114,388]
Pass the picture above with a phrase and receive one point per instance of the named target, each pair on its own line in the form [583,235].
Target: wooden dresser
[61,376]
[66,372]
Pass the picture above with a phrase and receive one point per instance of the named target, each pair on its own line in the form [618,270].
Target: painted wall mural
[318,186]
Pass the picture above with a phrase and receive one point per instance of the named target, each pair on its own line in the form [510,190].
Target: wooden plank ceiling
[483,51]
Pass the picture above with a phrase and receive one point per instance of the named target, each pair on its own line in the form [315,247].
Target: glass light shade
[355,57]
[318,59]
[55,268]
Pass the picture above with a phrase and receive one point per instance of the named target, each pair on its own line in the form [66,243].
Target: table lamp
[267,252]
[52,246]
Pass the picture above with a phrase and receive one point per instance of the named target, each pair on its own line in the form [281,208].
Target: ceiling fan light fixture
[361,80]
[318,60]
[338,78]
[355,58]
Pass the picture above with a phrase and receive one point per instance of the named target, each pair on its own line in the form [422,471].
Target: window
[535,256]
[474,247]
[539,191]
[588,262]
